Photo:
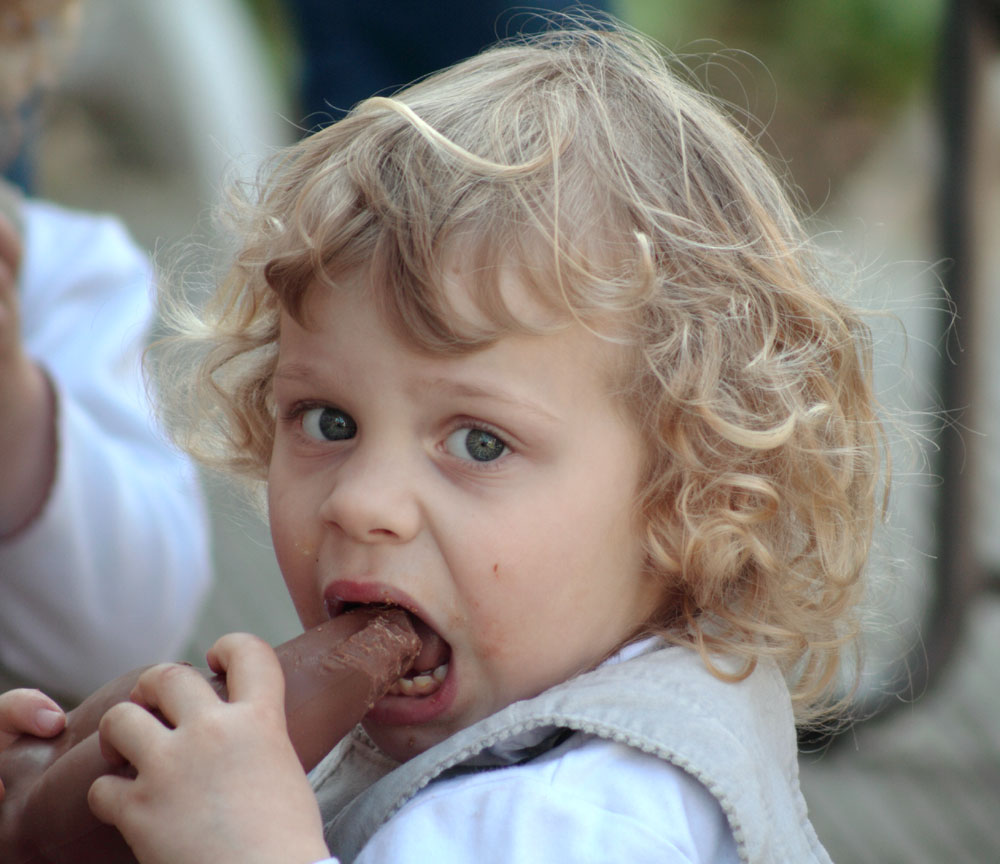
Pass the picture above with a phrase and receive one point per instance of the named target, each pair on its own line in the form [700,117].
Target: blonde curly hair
[620,193]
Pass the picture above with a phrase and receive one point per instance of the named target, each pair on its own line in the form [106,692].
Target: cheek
[496,632]
[296,547]
[570,568]
[297,559]
[511,601]
[492,581]
[291,514]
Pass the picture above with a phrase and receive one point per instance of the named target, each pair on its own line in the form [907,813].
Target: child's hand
[223,784]
[28,712]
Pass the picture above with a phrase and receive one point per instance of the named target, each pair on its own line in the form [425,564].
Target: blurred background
[884,114]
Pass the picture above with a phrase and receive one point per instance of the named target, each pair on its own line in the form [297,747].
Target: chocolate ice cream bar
[334,673]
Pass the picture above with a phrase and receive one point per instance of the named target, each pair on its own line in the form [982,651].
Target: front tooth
[422,682]
[406,686]
[440,673]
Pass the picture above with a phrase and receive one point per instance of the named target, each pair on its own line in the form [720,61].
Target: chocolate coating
[334,673]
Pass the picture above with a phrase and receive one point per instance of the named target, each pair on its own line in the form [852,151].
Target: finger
[173,689]
[29,711]
[253,673]
[126,732]
[106,797]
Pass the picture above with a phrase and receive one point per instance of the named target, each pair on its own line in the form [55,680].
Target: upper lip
[344,593]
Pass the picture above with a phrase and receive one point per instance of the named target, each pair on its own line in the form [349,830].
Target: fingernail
[49,721]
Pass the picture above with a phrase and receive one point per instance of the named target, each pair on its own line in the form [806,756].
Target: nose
[372,497]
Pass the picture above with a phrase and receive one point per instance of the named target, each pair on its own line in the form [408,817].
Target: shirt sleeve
[111,574]
[590,801]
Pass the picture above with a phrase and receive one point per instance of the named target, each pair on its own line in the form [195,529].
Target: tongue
[434,650]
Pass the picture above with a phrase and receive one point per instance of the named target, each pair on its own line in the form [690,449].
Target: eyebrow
[468,390]
[299,371]
[295,372]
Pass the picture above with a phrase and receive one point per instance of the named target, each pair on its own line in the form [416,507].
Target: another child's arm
[28,712]
[225,771]
[27,430]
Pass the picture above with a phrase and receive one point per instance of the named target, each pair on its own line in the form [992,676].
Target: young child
[538,351]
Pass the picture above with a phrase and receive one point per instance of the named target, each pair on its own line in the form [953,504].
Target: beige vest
[738,740]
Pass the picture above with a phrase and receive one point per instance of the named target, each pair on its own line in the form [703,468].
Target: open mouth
[429,669]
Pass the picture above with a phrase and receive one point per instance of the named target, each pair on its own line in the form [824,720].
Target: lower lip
[413,710]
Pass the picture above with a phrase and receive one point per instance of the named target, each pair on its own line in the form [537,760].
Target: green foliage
[869,52]
[277,32]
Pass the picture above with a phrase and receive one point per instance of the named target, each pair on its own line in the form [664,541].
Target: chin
[403,743]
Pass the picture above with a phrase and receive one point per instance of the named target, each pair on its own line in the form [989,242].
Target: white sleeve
[111,574]
[592,802]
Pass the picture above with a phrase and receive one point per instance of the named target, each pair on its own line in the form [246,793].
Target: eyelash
[479,426]
[295,413]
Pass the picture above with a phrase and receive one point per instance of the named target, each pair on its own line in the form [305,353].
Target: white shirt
[586,801]
[111,574]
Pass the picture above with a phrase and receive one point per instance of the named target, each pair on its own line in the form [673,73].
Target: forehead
[350,323]
[471,297]
[473,294]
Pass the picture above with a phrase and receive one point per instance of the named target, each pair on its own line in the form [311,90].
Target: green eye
[328,424]
[476,445]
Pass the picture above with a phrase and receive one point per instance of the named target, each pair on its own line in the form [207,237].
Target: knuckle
[161,674]
[173,672]
[114,716]
[242,641]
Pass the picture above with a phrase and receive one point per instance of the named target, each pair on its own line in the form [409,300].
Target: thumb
[29,712]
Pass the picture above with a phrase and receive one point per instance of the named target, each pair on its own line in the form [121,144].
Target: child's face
[490,493]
